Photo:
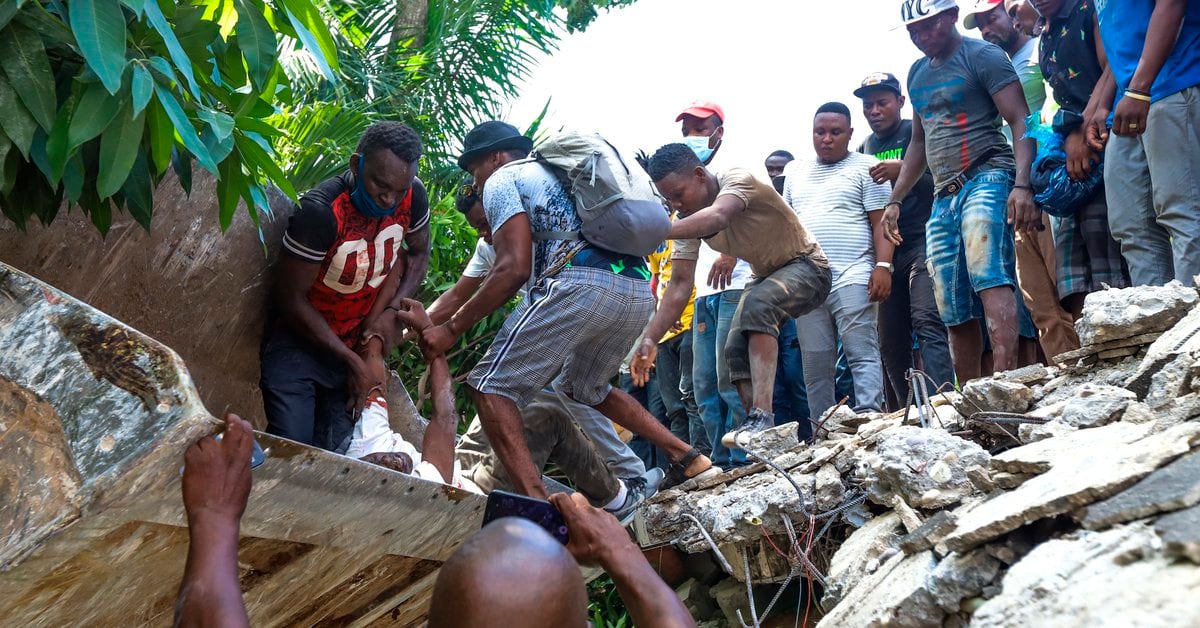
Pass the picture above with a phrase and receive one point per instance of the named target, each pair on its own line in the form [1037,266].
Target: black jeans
[304,392]
[674,367]
[910,311]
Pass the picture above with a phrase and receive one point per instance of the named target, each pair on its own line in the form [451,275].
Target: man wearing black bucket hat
[579,319]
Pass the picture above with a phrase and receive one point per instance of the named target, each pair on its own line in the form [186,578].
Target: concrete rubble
[1065,495]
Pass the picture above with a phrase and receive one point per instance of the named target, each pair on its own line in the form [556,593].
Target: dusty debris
[1116,314]
[927,467]
[1088,578]
[976,509]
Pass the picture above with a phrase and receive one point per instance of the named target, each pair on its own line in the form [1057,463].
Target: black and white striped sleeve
[311,231]
[420,207]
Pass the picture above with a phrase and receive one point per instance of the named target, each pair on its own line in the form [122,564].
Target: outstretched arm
[597,538]
[674,301]
[216,486]
[709,220]
[438,446]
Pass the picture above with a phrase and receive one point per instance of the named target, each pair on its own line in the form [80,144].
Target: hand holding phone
[502,504]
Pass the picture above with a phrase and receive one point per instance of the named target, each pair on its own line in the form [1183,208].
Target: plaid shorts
[1088,256]
[580,322]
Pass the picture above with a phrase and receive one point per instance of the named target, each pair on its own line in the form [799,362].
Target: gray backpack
[618,204]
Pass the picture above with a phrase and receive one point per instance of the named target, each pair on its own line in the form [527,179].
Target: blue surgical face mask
[363,201]
[699,145]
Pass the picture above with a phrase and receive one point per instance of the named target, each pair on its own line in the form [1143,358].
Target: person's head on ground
[384,165]
[469,202]
[931,25]
[703,127]
[832,132]
[489,146]
[776,161]
[995,25]
[1025,14]
[680,177]
[511,573]
[882,101]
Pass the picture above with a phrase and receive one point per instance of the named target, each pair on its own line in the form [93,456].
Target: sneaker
[635,494]
[756,421]
[654,478]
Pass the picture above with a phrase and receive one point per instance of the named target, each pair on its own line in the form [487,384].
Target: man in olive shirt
[741,216]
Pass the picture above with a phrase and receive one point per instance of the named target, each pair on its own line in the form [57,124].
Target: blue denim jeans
[717,399]
[652,401]
[791,398]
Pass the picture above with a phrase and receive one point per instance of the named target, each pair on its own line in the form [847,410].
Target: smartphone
[257,455]
[504,504]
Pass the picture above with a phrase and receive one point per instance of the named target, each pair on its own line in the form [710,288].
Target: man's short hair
[672,159]
[467,196]
[394,136]
[782,153]
[833,107]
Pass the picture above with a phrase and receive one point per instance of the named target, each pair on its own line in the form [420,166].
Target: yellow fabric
[660,264]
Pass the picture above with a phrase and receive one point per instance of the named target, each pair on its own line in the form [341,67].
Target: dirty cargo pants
[553,438]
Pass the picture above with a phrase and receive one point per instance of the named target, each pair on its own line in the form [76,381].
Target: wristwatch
[886,265]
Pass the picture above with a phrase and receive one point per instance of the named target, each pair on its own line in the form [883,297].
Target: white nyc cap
[917,10]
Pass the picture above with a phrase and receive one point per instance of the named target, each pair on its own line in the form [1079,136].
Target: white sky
[768,63]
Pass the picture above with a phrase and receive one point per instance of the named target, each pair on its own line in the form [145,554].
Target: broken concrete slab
[1114,314]
[1095,405]
[1174,486]
[1180,531]
[961,576]
[895,595]
[1084,477]
[1034,432]
[994,395]
[1040,456]
[1175,379]
[1082,353]
[929,533]
[829,488]
[1094,579]
[1183,336]
[926,467]
[859,555]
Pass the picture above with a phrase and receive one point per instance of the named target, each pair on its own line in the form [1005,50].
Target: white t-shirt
[832,201]
[482,261]
[373,434]
[704,264]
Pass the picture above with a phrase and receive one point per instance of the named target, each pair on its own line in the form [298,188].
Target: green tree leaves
[99,27]
[25,64]
[118,150]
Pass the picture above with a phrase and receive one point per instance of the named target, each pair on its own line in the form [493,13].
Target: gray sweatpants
[1153,198]
[847,315]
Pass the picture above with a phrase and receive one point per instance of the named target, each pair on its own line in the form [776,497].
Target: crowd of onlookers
[1056,156]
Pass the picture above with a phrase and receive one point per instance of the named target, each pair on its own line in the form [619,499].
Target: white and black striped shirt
[832,201]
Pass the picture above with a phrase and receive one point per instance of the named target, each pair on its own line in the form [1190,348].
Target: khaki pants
[552,437]
[1037,274]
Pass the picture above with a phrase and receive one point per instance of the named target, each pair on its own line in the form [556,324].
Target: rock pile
[1064,495]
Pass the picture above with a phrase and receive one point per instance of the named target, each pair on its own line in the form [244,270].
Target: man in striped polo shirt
[837,199]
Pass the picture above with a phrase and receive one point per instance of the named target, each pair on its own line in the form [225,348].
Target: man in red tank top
[341,269]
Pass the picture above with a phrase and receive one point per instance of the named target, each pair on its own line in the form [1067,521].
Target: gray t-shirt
[954,102]
[529,188]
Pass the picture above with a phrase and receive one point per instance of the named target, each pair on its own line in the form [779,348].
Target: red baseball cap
[982,6]
[702,109]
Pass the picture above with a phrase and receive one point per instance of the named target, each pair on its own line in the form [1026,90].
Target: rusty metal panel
[94,420]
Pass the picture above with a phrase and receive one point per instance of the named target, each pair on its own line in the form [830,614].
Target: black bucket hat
[490,137]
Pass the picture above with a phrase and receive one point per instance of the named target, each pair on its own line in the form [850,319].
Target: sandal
[677,472]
